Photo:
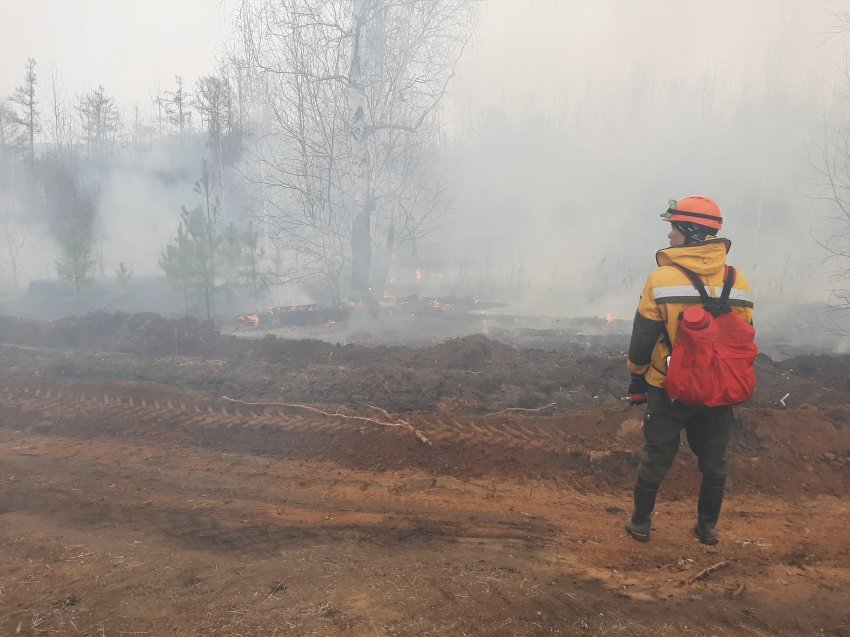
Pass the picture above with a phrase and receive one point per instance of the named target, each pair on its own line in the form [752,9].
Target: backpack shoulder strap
[697,283]
[728,282]
[716,306]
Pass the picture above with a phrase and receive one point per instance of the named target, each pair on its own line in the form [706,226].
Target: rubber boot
[708,509]
[641,522]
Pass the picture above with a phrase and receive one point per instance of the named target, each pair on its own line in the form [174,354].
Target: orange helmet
[697,209]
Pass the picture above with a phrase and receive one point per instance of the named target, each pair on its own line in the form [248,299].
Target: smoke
[574,126]
[140,207]
[568,128]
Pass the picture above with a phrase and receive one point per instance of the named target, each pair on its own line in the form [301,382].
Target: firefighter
[694,223]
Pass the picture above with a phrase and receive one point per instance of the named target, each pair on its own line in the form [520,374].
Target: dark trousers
[707,429]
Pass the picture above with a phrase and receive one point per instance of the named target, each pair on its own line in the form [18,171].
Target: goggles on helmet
[671,207]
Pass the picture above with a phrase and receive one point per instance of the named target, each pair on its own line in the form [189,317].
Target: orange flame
[253,319]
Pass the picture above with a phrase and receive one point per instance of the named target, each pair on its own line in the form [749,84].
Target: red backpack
[711,363]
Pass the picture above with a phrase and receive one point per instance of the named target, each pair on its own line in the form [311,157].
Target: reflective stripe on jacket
[668,292]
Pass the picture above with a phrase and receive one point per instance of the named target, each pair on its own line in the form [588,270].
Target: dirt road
[155,507]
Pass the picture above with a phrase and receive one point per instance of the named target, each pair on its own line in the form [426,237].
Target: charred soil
[160,477]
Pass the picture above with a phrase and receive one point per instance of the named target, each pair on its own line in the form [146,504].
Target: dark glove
[637,390]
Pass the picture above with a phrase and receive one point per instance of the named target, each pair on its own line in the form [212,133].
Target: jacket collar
[707,257]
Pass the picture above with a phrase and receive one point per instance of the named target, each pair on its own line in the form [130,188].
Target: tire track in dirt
[460,447]
[595,450]
[127,410]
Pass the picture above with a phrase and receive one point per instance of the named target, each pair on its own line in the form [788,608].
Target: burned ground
[473,374]
[160,477]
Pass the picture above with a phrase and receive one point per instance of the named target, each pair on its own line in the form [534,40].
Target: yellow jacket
[668,293]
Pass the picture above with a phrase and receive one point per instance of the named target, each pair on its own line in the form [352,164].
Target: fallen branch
[705,572]
[375,407]
[405,425]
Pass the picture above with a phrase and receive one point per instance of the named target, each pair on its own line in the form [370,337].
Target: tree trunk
[361,238]
[361,255]
[383,263]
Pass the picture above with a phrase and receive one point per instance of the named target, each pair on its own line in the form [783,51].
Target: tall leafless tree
[204,188]
[219,104]
[13,230]
[834,167]
[28,117]
[141,133]
[178,108]
[159,102]
[100,123]
[59,126]
[350,89]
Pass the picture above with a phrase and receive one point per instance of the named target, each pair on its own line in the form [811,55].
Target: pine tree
[75,263]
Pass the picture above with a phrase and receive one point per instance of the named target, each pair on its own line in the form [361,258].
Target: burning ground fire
[251,319]
[334,314]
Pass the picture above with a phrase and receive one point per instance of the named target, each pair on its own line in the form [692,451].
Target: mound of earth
[470,373]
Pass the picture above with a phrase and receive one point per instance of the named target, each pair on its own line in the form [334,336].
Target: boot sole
[640,537]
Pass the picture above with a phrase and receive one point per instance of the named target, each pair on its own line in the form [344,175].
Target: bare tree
[834,167]
[351,88]
[59,127]
[100,123]
[25,97]
[141,133]
[219,105]
[204,188]
[13,232]
[178,108]
[238,72]
[159,102]
[296,162]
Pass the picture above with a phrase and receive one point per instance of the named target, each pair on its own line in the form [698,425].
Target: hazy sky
[126,46]
[525,51]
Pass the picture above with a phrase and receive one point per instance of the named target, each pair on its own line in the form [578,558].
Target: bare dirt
[158,477]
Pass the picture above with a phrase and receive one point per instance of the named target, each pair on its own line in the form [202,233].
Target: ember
[251,319]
